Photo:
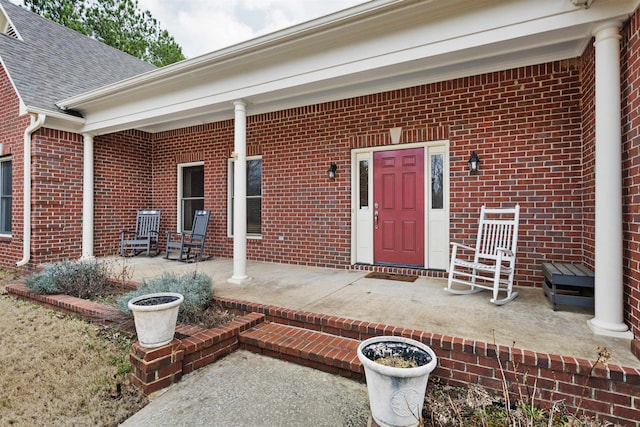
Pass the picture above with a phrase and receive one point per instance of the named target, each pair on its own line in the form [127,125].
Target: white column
[87,198]
[609,314]
[240,195]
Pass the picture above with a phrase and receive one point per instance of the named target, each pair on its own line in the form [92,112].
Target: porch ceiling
[378,46]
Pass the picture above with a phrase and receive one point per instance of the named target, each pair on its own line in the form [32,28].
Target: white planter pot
[396,395]
[155,316]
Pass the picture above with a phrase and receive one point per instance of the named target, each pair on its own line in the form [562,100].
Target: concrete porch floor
[528,322]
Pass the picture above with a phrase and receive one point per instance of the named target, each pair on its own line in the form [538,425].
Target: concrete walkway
[246,389]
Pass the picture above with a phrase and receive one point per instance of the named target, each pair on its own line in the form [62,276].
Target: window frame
[4,161]
[230,194]
[180,193]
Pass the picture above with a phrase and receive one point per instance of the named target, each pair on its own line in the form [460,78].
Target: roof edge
[323,23]
[58,120]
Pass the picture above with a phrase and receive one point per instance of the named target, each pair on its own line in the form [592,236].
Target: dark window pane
[254,215]
[189,208]
[437,179]
[6,178]
[254,177]
[193,181]
[5,215]
[364,183]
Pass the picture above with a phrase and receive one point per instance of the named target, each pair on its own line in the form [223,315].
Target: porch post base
[239,280]
[610,330]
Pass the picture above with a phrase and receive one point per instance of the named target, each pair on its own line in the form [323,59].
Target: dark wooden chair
[189,245]
[144,238]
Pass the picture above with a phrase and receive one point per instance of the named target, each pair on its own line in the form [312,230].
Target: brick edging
[88,310]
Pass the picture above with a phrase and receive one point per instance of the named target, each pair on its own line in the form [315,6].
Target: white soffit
[382,45]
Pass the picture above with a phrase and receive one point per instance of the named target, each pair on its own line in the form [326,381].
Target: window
[364,183]
[254,196]
[5,196]
[437,180]
[191,193]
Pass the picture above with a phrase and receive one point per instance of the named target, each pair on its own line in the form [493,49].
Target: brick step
[318,350]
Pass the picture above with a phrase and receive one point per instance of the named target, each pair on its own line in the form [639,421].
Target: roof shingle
[52,62]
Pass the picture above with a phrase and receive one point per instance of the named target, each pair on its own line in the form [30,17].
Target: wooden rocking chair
[191,244]
[144,238]
[493,263]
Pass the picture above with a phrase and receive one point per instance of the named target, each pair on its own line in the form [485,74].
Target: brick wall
[56,179]
[11,136]
[588,155]
[122,186]
[631,168]
[211,143]
[524,123]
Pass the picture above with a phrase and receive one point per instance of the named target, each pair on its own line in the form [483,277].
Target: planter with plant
[155,316]
[397,371]
[160,302]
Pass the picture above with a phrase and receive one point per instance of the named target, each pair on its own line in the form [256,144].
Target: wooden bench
[570,284]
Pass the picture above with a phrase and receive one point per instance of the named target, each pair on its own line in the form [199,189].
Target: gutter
[37,120]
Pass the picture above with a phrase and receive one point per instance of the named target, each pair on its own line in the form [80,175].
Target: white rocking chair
[494,261]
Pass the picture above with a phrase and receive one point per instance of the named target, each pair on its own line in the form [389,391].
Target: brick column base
[153,369]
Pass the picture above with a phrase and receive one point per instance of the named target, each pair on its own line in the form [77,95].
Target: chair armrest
[462,246]
[506,251]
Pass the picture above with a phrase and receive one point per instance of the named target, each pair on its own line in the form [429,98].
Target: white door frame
[436,222]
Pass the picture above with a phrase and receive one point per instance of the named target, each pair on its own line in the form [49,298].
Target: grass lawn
[59,370]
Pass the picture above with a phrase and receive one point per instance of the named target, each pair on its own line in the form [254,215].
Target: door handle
[375,219]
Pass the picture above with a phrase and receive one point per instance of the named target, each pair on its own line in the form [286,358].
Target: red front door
[398,200]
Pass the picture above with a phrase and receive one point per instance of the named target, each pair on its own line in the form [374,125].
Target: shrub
[45,281]
[195,287]
[82,279]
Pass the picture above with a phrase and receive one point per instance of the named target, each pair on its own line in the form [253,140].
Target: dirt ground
[59,370]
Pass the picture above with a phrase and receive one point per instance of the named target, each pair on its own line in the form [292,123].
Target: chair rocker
[493,262]
[189,245]
[144,238]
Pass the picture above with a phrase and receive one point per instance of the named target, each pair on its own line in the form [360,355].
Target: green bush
[195,287]
[82,279]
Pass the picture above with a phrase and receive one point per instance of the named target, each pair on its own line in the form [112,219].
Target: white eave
[58,120]
[380,45]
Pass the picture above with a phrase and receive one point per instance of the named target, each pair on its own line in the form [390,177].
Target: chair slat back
[200,223]
[498,228]
[147,221]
